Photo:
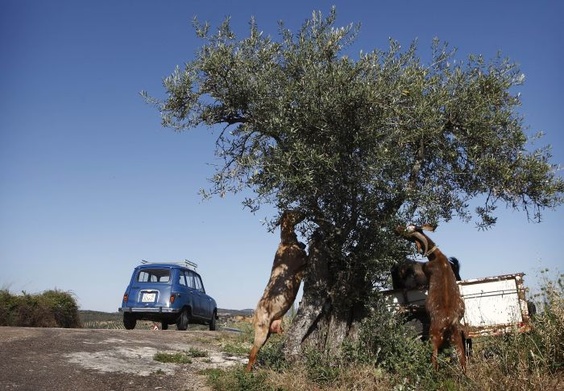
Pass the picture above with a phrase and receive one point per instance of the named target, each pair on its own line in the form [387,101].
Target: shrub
[52,308]
[63,307]
[271,355]
[388,342]
[548,325]
[7,304]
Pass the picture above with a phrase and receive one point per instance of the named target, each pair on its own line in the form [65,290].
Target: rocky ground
[95,359]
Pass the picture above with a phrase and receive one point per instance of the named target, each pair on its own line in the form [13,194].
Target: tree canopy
[307,125]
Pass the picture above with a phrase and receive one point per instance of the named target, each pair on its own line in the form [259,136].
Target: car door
[182,291]
[192,293]
[195,284]
[205,300]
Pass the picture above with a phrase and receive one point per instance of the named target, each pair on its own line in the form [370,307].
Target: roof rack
[187,263]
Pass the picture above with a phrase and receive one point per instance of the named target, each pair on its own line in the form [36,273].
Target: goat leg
[261,335]
[437,342]
[458,342]
[434,357]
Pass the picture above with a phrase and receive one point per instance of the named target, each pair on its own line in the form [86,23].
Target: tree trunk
[326,316]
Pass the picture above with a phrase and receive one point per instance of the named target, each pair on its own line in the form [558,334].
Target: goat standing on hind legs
[285,278]
[444,303]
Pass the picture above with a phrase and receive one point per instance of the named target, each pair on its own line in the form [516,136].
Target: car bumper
[153,310]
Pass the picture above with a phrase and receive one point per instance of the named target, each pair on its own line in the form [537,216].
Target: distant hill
[87,316]
[245,312]
[98,316]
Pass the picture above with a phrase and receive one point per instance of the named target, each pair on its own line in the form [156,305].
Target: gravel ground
[44,359]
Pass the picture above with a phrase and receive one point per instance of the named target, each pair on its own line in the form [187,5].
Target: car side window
[181,278]
[199,285]
[190,277]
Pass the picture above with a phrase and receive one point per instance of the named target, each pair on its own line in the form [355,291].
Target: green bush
[548,325]
[271,355]
[52,308]
[7,303]
[388,342]
[63,307]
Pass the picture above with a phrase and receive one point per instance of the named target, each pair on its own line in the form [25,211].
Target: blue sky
[90,183]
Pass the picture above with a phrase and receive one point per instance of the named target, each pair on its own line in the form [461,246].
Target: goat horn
[422,239]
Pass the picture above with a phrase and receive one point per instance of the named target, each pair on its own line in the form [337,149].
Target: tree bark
[325,317]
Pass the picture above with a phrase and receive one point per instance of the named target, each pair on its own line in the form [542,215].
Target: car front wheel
[213,322]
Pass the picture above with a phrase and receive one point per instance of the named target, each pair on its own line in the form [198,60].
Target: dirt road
[44,359]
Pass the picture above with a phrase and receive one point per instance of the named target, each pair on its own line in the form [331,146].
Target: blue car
[168,293]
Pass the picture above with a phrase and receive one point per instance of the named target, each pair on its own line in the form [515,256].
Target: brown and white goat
[285,278]
[444,303]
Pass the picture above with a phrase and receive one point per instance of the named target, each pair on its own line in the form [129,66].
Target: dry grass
[355,378]
[533,361]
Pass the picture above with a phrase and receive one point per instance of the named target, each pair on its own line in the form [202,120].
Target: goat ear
[428,227]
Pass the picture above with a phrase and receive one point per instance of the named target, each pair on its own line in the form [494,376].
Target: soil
[45,359]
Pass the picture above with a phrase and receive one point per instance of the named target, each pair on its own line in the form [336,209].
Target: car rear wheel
[164,326]
[183,320]
[129,321]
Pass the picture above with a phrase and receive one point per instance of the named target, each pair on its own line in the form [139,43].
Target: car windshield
[153,275]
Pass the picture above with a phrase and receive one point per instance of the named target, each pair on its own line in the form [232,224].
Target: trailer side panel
[494,305]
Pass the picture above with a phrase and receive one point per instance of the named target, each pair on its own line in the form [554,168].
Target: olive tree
[358,144]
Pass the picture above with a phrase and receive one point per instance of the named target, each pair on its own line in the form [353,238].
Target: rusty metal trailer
[494,305]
